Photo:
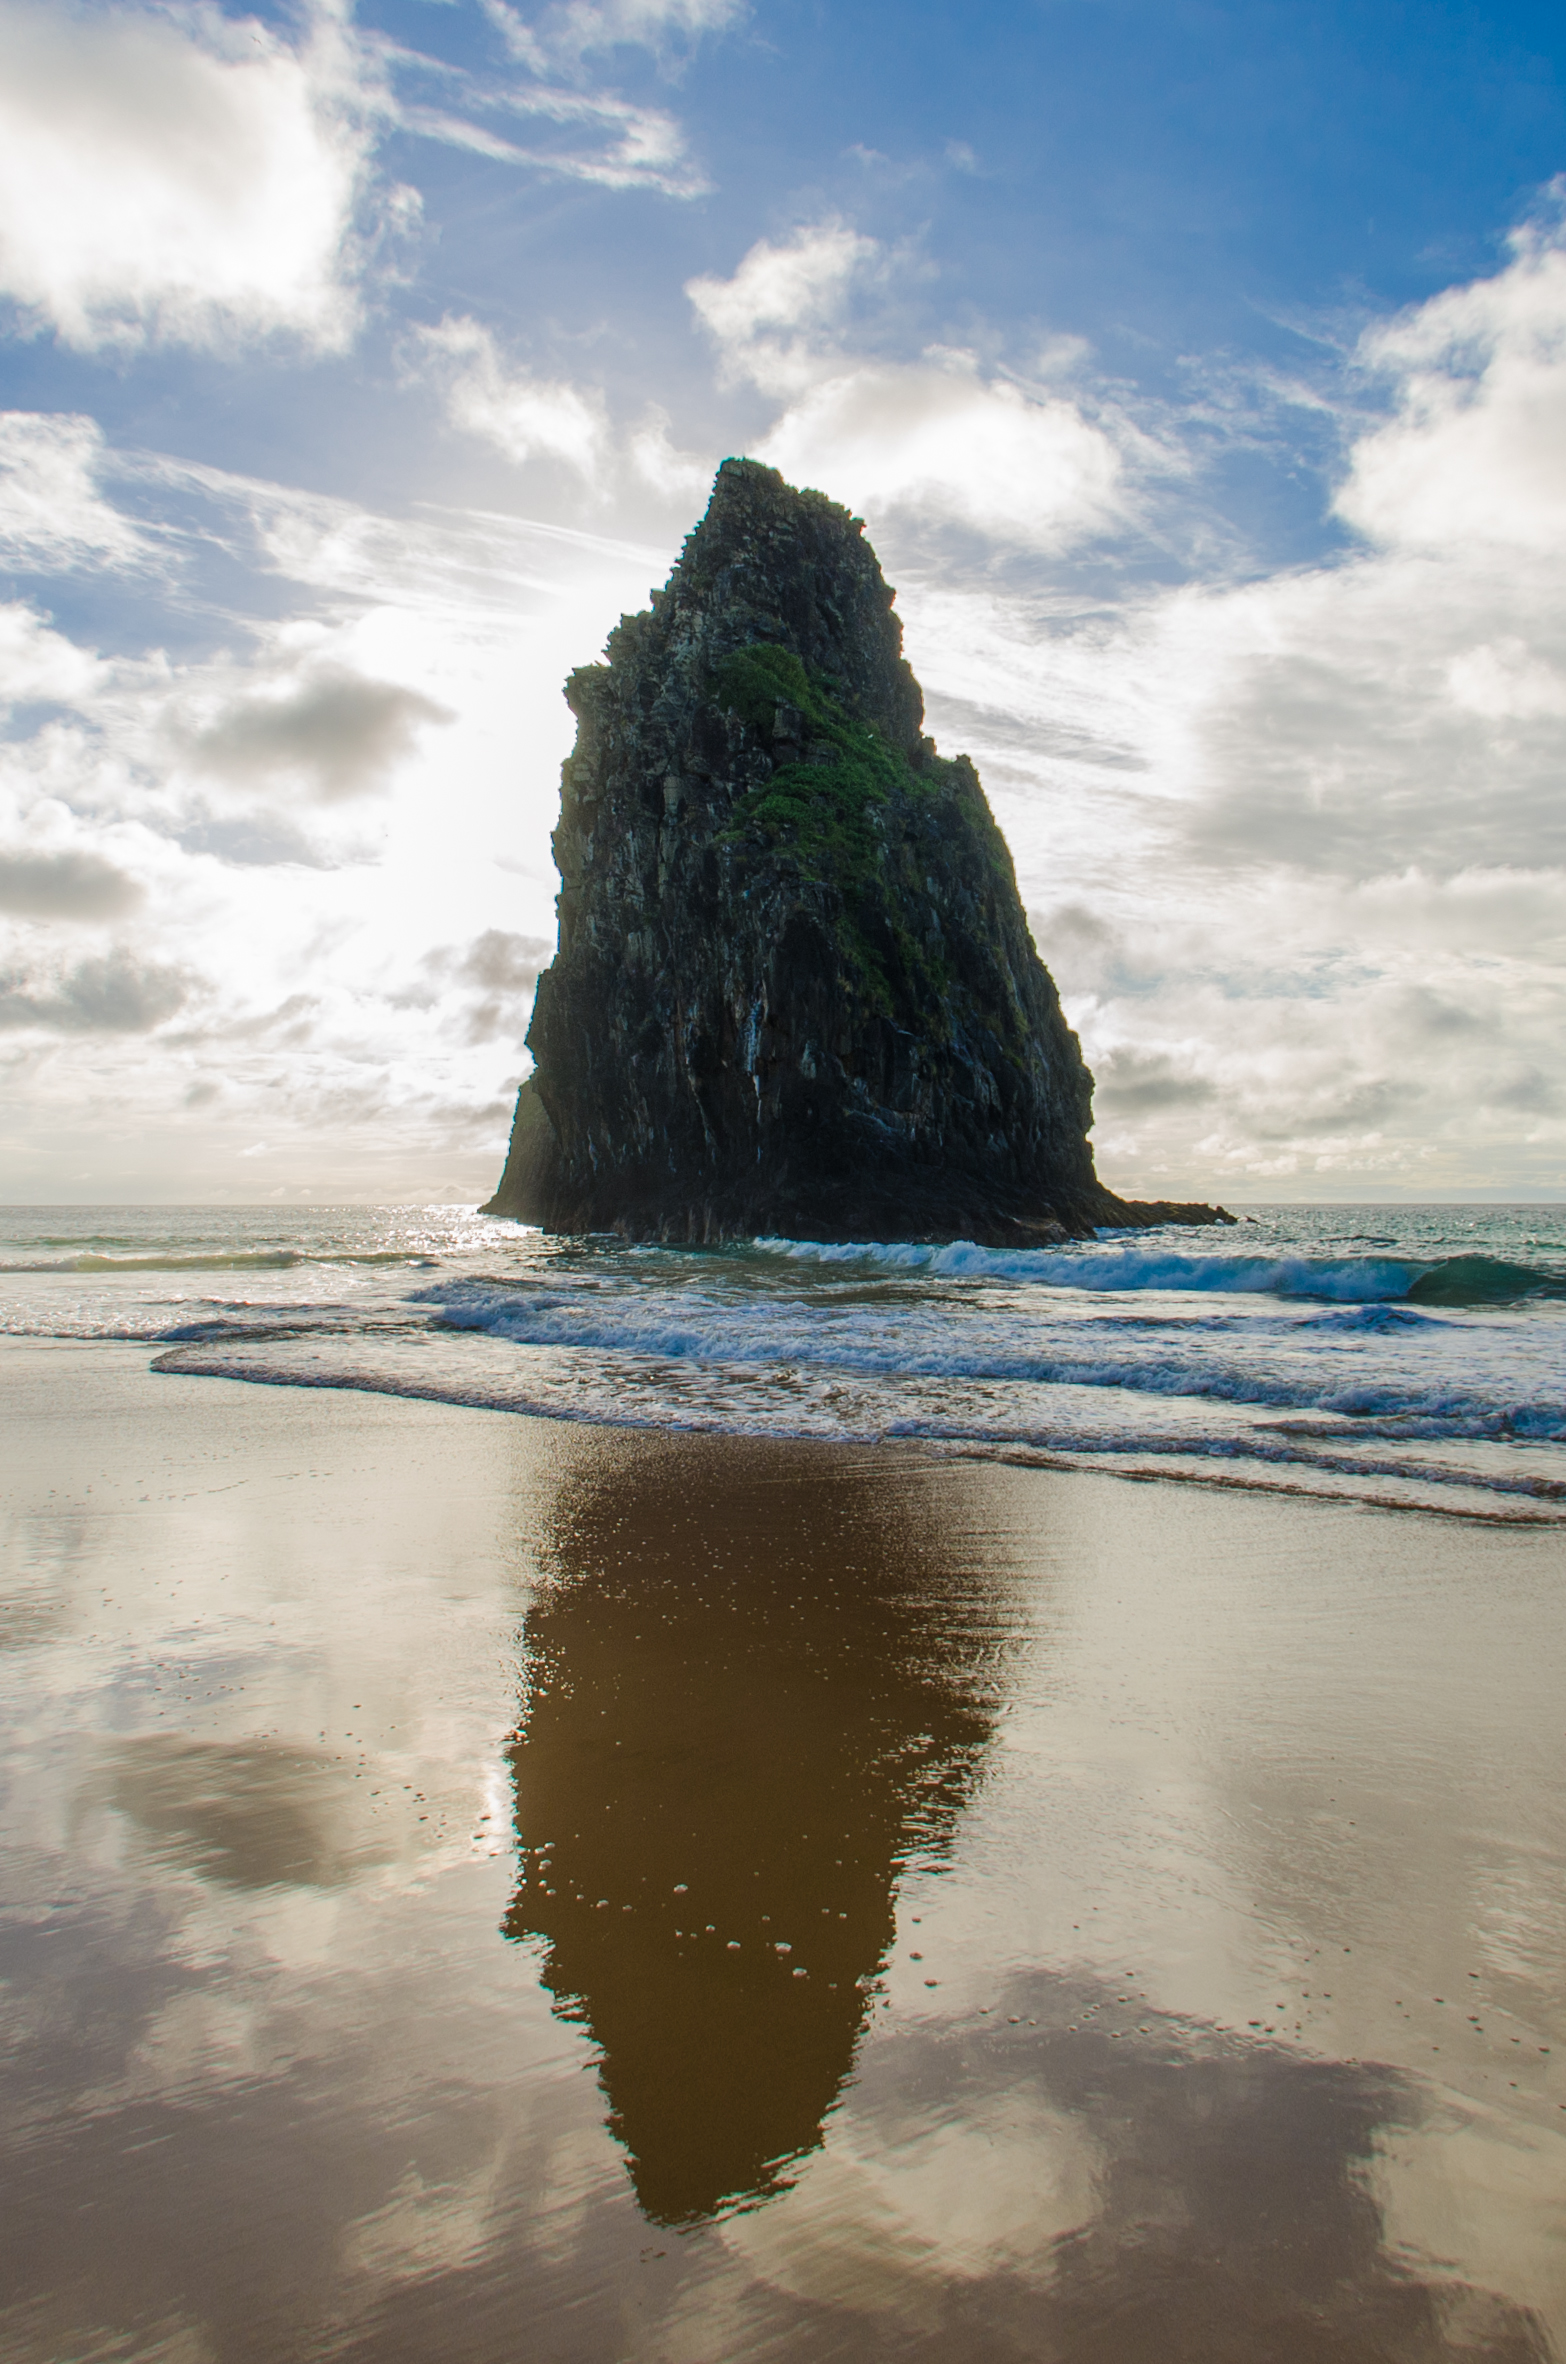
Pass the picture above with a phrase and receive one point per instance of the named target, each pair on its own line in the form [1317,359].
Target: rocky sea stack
[795,992]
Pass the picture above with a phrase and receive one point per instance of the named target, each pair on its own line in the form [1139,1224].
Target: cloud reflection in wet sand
[1037,2188]
[271,2090]
[249,1814]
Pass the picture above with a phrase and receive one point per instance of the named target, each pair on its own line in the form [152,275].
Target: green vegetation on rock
[829,820]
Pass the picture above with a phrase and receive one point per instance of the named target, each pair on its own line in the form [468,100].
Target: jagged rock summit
[795,992]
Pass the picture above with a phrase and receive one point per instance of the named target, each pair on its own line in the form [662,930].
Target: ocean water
[1412,1356]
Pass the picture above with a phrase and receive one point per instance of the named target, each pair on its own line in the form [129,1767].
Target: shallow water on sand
[478,1887]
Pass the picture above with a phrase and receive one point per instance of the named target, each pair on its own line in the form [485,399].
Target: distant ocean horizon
[1409,1355]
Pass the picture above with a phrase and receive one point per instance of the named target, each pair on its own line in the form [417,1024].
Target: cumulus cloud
[1397,715]
[1086,954]
[767,320]
[936,438]
[52,515]
[335,731]
[299,920]
[528,418]
[70,885]
[942,441]
[171,175]
[1505,682]
[115,994]
[1475,452]
[523,416]
[38,664]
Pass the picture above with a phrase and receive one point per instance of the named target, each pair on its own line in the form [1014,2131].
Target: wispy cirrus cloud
[586,130]
[53,515]
[569,31]
[636,147]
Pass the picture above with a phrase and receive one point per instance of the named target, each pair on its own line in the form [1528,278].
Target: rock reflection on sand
[749,1708]
[747,1705]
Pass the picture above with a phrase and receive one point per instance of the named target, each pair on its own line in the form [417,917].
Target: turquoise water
[1411,1355]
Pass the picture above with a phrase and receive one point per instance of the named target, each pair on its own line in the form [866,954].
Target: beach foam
[1421,1351]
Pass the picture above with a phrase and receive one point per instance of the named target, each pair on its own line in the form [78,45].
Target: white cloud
[172,175]
[941,441]
[571,30]
[498,972]
[331,729]
[52,514]
[523,416]
[38,664]
[935,438]
[674,475]
[114,993]
[1476,453]
[527,417]
[1504,681]
[592,134]
[767,319]
[638,147]
[68,885]
[1296,843]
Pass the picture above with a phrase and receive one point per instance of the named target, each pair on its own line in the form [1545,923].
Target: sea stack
[795,993]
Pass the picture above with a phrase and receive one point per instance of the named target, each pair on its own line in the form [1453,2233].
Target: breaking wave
[1419,1358]
[1450,1280]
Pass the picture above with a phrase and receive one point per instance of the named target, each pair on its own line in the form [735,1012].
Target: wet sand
[484,1888]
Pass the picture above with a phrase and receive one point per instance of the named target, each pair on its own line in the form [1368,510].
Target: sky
[1199,369]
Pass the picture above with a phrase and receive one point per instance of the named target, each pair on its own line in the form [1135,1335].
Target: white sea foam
[1422,1352]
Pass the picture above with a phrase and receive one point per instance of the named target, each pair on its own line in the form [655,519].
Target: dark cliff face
[795,990]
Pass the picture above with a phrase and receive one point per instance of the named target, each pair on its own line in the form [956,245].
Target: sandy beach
[484,1886]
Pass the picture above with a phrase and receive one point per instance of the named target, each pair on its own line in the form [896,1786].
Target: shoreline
[185,1362]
